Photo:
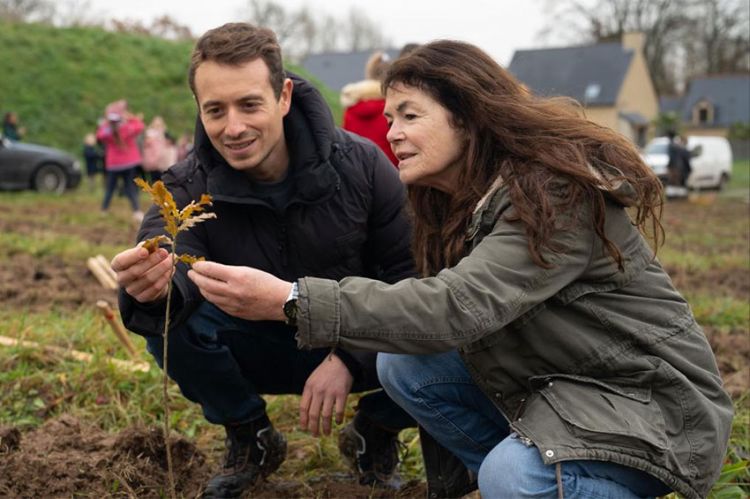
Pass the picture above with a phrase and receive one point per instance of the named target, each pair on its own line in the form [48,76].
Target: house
[712,104]
[610,80]
[336,69]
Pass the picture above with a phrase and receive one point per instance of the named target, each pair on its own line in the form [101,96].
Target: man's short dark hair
[238,43]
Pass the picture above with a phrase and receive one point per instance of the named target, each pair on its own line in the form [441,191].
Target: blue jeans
[438,391]
[129,186]
[225,364]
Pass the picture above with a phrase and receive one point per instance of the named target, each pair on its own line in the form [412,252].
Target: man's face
[243,118]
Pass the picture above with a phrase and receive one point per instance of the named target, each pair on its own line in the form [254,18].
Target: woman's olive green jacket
[585,361]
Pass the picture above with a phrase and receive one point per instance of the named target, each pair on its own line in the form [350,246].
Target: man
[678,167]
[295,196]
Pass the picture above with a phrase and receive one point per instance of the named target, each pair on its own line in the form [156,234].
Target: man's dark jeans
[224,363]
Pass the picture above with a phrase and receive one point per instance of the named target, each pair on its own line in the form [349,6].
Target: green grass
[59,80]
[740,174]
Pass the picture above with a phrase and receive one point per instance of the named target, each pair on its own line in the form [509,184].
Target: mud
[66,457]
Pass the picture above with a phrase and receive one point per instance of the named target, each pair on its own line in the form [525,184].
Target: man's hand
[325,391]
[242,292]
[144,276]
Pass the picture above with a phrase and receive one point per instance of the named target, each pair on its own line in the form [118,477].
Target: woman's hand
[243,292]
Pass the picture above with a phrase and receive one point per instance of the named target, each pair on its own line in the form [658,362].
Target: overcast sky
[498,26]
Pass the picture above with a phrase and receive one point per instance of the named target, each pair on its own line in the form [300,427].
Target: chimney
[635,40]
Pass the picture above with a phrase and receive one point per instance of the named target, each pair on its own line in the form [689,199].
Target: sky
[498,26]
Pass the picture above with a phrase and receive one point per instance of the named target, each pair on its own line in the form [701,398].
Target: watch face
[290,311]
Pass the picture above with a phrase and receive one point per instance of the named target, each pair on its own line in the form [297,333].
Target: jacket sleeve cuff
[318,318]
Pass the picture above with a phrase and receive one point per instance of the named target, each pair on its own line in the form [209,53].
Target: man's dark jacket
[345,217]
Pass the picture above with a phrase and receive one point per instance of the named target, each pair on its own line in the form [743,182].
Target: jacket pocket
[602,413]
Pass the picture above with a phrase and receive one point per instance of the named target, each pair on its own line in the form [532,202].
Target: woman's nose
[394,133]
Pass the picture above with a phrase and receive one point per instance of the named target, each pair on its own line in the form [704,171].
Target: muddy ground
[66,457]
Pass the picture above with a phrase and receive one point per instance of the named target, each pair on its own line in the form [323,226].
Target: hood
[367,110]
[359,91]
[613,183]
[309,130]
[39,150]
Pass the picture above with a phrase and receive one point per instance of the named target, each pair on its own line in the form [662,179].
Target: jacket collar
[309,130]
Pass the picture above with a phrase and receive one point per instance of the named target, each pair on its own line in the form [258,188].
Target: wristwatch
[290,305]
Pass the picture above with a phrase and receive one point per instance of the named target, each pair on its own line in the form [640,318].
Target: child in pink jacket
[119,133]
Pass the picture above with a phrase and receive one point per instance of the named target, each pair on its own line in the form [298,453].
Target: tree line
[300,31]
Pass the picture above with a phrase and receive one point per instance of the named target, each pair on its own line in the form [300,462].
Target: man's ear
[285,99]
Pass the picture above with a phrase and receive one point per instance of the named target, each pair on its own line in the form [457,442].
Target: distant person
[119,132]
[678,167]
[364,104]
[11,129]
[92,155]
[184,146]
[159,152]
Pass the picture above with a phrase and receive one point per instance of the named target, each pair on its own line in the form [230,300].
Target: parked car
[711,160]
[31,166]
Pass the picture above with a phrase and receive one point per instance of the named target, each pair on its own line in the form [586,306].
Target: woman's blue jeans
[438,391]
[225,364]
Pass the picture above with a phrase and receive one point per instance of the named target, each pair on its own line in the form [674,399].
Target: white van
[711,160]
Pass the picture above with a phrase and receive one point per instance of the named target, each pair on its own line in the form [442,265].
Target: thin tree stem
[165,385]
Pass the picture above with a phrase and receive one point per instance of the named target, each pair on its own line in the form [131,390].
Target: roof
[729,94]
[670,104]
[635,119]
[336,69]
[591,74]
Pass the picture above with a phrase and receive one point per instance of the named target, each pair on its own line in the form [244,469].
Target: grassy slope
[59,80]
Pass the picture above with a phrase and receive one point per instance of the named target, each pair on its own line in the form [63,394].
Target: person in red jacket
[364,104]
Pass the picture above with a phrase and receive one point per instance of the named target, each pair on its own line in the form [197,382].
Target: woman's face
[429,148]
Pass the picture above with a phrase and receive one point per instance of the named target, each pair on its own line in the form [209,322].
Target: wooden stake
[117,327]
[127,365]
[101,274]
[104,264]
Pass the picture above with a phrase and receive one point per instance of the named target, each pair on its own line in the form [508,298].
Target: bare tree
[77,13]
[720,41]
[301,32]
[683,37]
[167,27]
[362,33]
[27,10]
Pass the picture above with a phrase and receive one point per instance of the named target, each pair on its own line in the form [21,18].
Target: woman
[122,157]
[547,348]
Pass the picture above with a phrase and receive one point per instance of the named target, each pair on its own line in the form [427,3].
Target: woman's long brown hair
[532,142]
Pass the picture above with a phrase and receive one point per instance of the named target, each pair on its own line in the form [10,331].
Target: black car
[30,166]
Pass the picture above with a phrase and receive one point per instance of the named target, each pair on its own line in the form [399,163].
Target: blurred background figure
[364,102]
[184,145]
[119,132]
[93,157]
[11,129]
[159,149]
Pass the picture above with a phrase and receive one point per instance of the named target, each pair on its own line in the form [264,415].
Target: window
[703,113]
[592,92]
